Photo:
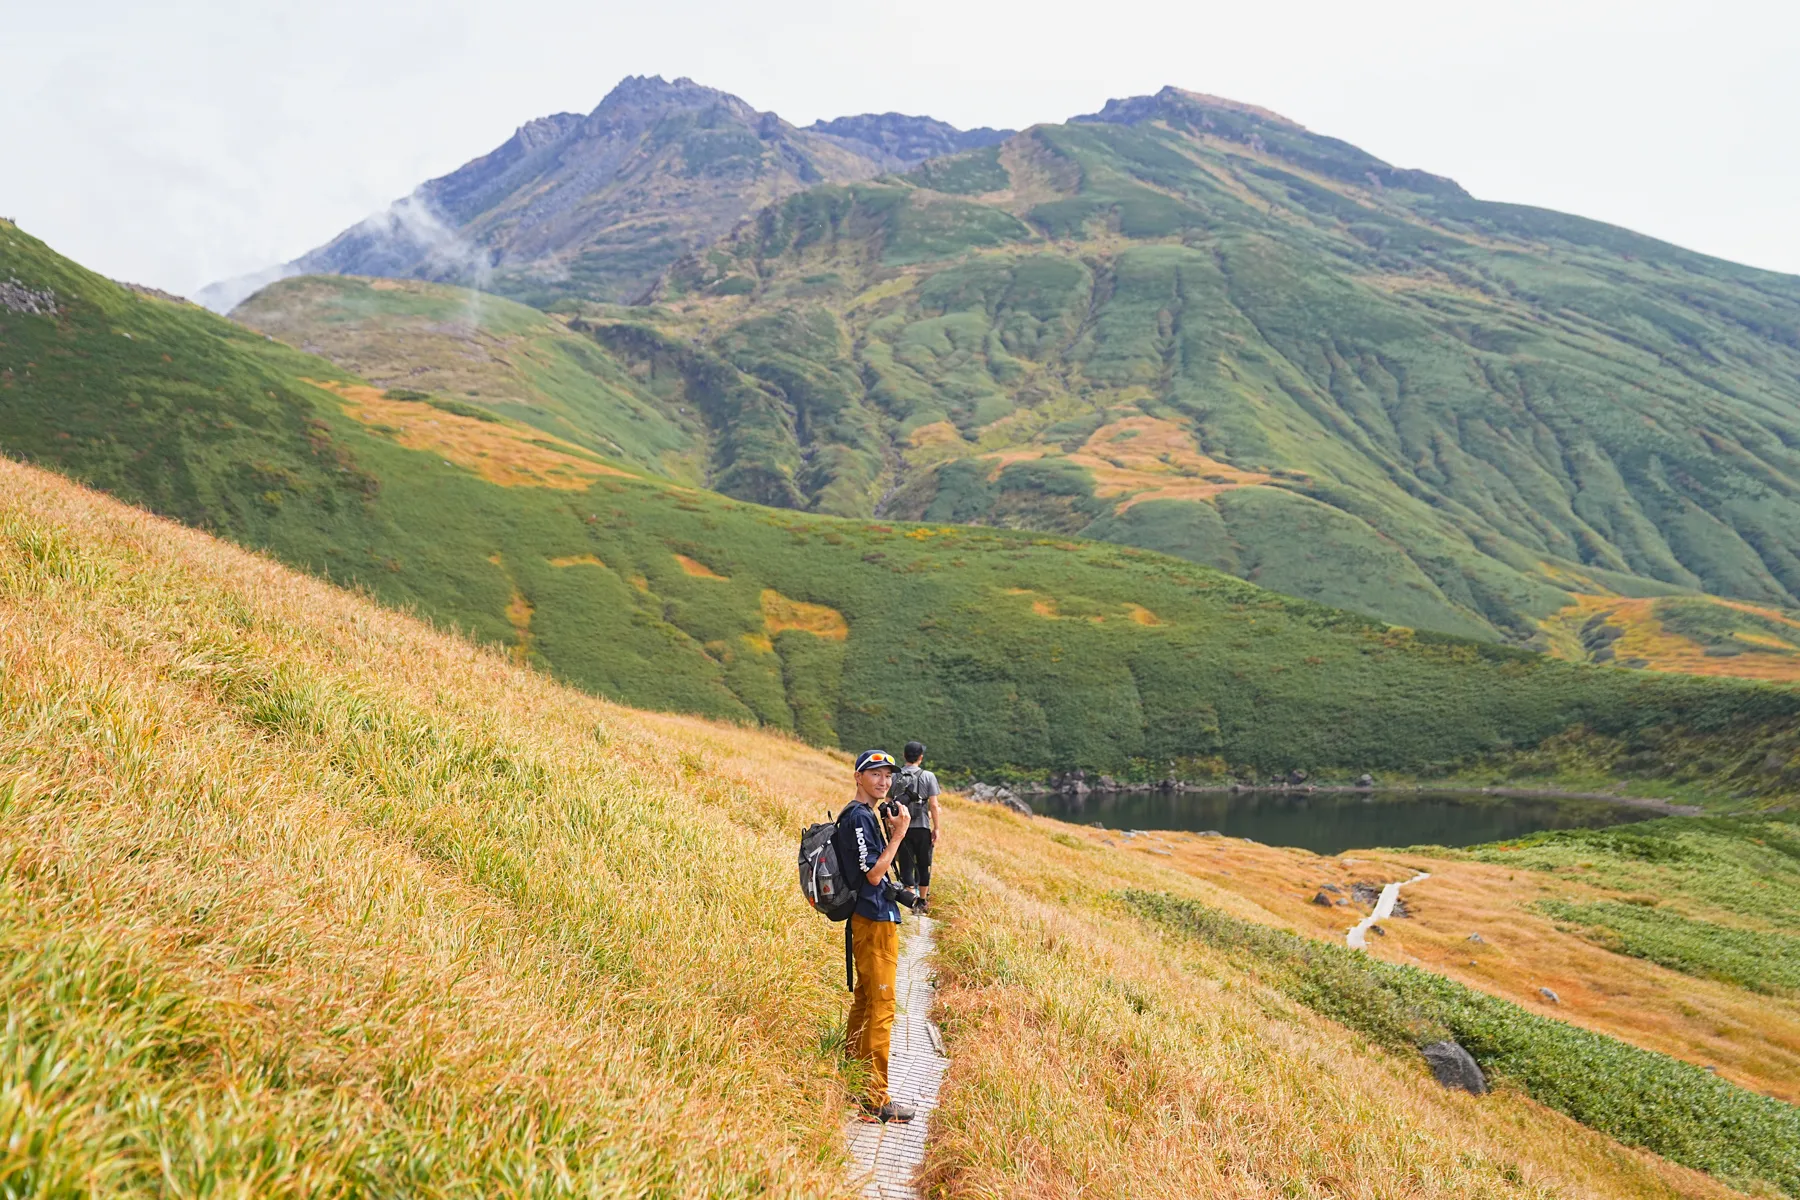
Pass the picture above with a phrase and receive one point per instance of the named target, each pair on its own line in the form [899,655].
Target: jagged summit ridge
[594,207]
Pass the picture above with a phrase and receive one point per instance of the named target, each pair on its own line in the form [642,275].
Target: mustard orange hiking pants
[875,947]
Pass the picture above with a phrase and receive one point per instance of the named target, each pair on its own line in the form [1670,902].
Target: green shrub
[1747,867]
[461,409]
[1761,961]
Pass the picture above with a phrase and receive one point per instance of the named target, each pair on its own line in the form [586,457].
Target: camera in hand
[890,809]
[905,895]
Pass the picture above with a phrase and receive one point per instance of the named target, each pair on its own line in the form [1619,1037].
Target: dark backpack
[827,886]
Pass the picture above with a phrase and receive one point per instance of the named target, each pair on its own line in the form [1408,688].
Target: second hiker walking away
[918,789]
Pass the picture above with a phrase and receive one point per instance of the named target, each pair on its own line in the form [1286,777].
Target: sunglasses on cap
[870,759]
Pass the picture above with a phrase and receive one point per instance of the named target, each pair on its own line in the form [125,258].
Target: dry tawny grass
[301,897]
[1751,1039]
[1092,1056]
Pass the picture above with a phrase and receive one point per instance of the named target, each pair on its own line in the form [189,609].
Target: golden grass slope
[308,899]
[1751,1039]
[1091,1056]
[302,897]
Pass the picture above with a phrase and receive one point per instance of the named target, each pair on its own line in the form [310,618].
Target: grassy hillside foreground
[1009,652]
[302,897]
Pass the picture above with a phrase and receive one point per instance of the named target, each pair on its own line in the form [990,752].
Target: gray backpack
[828,887]
[908,789]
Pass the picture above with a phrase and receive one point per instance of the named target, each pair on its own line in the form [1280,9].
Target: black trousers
[915,858]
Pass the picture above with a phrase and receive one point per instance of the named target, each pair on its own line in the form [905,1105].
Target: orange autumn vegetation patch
[519,612]
[1051,609]
[499,452]
[1142,615]
[697,569]
[1646,638]
[1142,458]
[782,612]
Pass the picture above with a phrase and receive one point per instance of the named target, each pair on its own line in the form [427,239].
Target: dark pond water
[1331,822]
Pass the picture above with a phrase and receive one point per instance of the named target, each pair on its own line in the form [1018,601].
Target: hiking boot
[898,1113]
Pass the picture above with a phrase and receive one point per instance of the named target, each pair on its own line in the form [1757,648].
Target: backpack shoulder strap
[849,956]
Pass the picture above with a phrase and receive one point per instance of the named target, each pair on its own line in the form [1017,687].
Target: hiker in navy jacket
[874,927]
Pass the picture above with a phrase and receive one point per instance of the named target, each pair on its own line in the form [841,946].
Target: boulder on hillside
[986,793]
[1455,1067]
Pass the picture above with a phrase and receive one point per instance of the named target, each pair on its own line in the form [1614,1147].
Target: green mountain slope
[484,350]
[1007,651]
[1195,327]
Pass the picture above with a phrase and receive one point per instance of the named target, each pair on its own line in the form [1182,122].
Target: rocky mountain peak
[638,96]
[1184,105]
[902,140]
[642,103]
[545,131]
[596,205]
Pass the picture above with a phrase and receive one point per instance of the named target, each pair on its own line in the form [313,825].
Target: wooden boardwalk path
[885,1158]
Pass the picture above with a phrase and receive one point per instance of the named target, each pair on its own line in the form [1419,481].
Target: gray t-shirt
[924,786]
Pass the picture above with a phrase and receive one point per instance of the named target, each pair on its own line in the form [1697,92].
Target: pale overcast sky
[176,142]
